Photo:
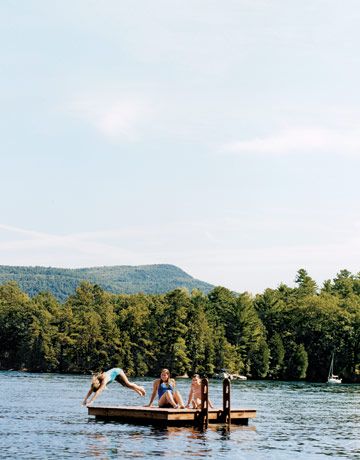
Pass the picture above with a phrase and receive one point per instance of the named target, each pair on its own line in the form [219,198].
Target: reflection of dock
[178,417]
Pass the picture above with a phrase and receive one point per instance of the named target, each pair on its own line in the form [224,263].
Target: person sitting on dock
[194,398]
[167,394]
[101,379]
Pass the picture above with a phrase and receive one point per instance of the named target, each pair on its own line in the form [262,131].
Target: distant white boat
[238,377]
[226,375]
[332,378]
[184,376]
[222,375]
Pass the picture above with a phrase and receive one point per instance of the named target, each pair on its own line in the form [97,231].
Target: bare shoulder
[104,381]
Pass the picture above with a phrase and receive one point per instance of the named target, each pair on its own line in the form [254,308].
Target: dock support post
[226,402]
[204,414]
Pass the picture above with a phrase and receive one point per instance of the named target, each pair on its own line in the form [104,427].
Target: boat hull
[333,381]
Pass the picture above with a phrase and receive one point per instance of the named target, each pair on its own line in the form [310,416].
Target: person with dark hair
[168,396]
[194,398]
[101,379]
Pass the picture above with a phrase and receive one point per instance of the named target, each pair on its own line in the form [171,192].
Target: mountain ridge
[118,279]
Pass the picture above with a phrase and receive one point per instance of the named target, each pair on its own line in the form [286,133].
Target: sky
[219,136]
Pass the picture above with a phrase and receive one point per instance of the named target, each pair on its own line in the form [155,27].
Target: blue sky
[222,137]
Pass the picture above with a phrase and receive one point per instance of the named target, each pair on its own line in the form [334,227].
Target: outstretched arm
[153,394]
[97,392]
[191,393]
[87,396]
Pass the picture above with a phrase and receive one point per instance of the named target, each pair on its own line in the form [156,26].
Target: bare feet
[141,391]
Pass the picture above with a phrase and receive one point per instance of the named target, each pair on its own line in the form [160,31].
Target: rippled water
[41,417]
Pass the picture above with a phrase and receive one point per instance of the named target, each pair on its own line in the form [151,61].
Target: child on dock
[167,394]
[195,393]
[100,380]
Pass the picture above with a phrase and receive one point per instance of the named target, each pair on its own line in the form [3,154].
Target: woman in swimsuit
[167,394]
[100,380]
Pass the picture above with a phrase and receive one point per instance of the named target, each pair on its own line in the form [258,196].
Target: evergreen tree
[199,335]
[306,285]
[173,353]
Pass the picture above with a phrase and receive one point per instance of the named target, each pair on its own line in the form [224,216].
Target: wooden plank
[246,413]
[129,412]
[160,409]
[184,416]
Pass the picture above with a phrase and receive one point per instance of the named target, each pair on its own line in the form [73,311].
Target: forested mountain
[284,333]
[62,282]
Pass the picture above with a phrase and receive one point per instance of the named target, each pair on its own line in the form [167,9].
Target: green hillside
[62,282]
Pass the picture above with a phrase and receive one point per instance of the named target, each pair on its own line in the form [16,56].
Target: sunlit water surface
[41,417]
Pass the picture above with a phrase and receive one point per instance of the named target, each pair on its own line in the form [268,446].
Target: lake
[41,417]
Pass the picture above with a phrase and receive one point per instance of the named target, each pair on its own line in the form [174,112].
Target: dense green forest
[284,333]
[62,282]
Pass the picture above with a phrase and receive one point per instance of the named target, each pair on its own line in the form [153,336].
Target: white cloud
[17,230]
[39,248]
[115,117]
[300,140]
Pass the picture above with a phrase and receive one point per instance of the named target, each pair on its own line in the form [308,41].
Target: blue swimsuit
[113,373]
[163,388]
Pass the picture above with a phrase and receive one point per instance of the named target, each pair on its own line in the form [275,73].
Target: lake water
[41,417]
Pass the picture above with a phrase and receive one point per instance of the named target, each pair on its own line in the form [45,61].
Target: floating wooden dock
[178,417]
[159,416]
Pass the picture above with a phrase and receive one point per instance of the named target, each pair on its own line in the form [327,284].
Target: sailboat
[332,378]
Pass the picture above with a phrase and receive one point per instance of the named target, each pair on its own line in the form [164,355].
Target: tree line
[285,333]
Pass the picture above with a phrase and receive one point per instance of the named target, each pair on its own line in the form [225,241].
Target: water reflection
[177,442]
[184,438]
[98,445]
[126,441]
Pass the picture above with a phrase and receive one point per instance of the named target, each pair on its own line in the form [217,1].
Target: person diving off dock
[102,379]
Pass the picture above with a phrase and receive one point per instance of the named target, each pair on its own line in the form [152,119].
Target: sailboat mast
[331,370]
